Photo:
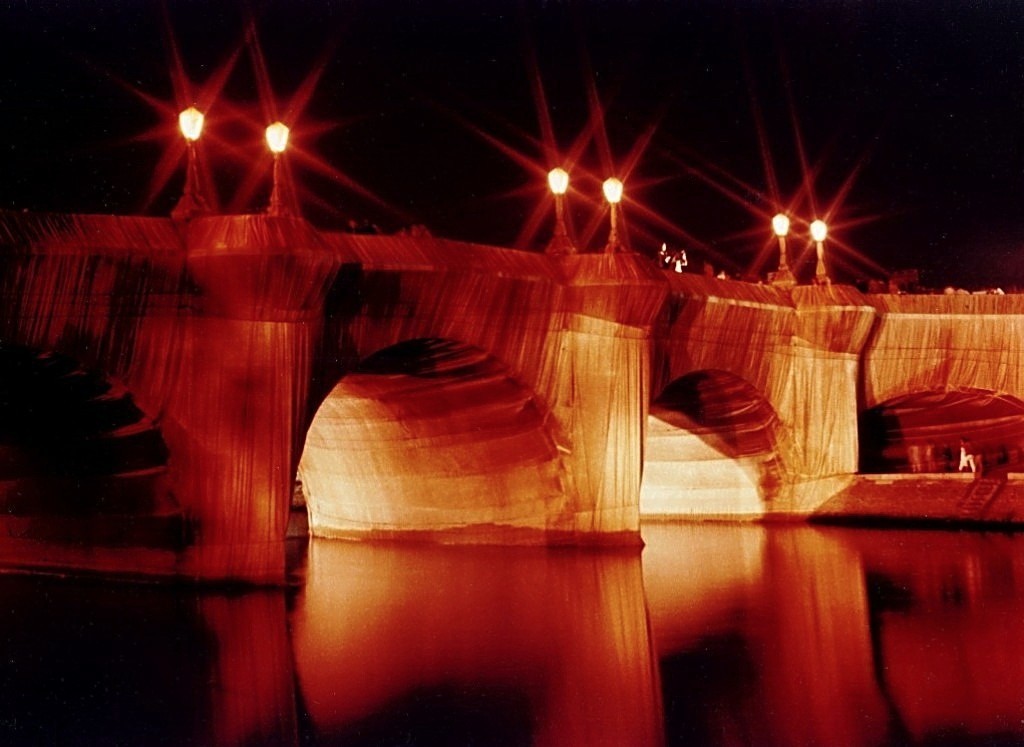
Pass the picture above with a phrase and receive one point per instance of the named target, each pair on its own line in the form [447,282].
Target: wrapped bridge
[164,383]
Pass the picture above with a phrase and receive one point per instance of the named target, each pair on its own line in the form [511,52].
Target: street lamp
[613,193]
[818,232]
[277,141]
[558,181]
[784,276]
[190,122]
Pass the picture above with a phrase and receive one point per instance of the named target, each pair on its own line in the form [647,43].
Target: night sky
[910,116]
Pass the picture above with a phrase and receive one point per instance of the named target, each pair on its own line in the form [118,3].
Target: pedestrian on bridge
[966,458]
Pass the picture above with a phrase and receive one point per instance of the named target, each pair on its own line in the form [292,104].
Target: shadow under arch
[921,431]
[80,463]
[712,448]
[433,439]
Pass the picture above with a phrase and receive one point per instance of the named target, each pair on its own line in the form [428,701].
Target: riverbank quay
[963,499]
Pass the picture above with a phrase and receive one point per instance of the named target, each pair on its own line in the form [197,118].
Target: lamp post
[190,122]
[818,232]
[784,276]
[558,181]
[277,141]
[613,193]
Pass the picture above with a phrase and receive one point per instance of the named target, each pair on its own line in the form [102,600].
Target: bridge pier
[236,419]
[602,386]
[832,326]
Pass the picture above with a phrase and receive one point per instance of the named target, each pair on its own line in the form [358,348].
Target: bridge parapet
[623,287]
[936,343]
[834,318]
[258,267]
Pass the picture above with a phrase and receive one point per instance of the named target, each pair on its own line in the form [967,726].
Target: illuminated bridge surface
[166,382]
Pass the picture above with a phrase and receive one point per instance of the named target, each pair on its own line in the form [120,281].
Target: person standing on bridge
[966,458]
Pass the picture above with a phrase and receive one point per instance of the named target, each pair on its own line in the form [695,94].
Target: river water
[714,634]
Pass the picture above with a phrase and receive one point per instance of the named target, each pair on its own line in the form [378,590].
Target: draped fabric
[476,459]
[258,268]
[71,443]
[922,432]
[93,306]
[603,379]
[938,369]
[601,403]
[798,350]
[479,296]
[226,337]
[944,343]
[711,449]
[557,332]
[432,254]
[210,327]
[93,287]
[230,331]
[428,437]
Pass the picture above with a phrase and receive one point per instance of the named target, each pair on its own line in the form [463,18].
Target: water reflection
[831,636]
[84,663]
[475,646]
[950,638]
[716,635]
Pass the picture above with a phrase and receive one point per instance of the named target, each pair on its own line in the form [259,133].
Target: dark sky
[922,101]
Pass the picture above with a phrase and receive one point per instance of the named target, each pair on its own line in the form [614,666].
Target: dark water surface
[714,634]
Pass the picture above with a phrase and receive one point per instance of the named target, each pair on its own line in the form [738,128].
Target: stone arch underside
[80,463]
[921,431]
[711,450]
[433,439]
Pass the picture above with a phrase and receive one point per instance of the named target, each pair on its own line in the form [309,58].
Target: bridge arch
[712,448]
[433,438]
[79,460]
[921,431]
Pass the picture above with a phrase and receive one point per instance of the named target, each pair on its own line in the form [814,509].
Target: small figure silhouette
[966,458]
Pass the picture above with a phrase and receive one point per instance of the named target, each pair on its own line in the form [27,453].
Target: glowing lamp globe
[558,180]
[819,230]
[277,137]
[612,190]
[780,224]
[191,123]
